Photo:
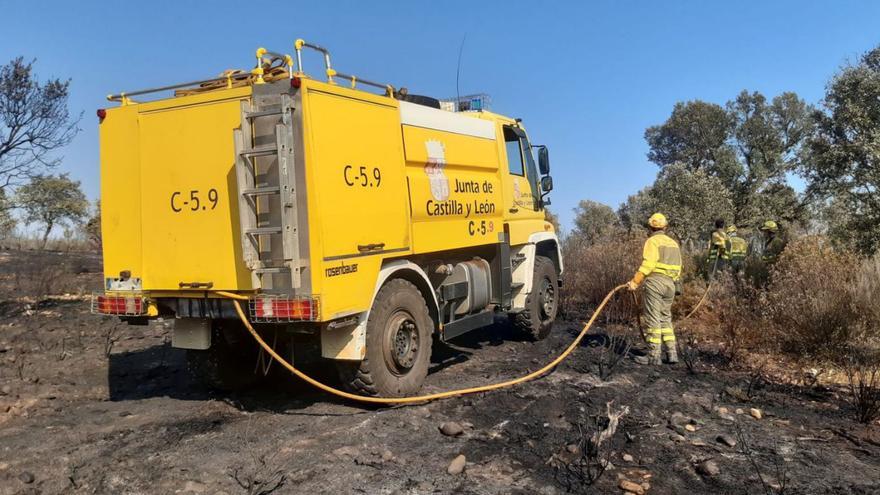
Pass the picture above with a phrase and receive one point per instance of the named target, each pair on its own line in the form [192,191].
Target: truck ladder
[266,193]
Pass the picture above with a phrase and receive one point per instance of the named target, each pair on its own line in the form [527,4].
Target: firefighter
[719,250]
[660,270]
[773,243]
[739,249]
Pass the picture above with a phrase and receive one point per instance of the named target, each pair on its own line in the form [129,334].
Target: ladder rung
[261,191]
[273,269]
[263,231]
[260,150]
[262,113]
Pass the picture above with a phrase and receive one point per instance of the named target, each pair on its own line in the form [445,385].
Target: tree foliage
[695,135]
[92,228]
[841,160]
[594,220]
[52,200]
[34,122]
[748,146]
[691,199]
[7,221]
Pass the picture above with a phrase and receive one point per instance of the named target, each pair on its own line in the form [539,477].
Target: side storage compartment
[358,212]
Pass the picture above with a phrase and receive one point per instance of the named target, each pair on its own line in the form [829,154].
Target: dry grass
[594,269]
[809,303]
[68,242]
[28,277]
[863,385]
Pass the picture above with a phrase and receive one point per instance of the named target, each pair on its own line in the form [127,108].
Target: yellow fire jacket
[661,255]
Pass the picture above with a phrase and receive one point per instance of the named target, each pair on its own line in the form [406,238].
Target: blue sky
[587,78]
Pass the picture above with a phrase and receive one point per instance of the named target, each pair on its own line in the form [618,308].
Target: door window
[521,163]
[514,152]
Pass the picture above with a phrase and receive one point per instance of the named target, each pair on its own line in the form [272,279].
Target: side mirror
[543,160]
[546,184]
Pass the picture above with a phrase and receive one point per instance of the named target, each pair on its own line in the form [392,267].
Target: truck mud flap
[468,323]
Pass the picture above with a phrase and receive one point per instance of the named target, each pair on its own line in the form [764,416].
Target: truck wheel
[536,319]
[228,365]
[398,344]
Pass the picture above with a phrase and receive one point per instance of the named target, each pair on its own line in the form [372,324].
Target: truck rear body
[382,179]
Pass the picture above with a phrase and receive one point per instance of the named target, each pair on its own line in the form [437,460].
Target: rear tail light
[102,114]
[283,309]
[122,305]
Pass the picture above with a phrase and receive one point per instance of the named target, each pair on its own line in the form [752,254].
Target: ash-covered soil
[75,418]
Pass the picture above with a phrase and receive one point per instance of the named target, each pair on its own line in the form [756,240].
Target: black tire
[229,364]
[536,320]
[399,335]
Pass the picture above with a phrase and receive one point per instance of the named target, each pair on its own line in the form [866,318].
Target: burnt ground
[77,419]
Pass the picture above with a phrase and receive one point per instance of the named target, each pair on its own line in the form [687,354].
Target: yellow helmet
[731,229]
[658,221]
[770,225]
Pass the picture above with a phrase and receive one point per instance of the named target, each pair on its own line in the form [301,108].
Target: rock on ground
[457,465]
[726,440]
[708,468]
[451,429]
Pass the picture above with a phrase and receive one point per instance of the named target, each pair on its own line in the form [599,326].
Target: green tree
[696,136]
[92,228]
[841,159]
[691,200]
[7,221]
[767,137]
[594,220]
[34,122]
[52,200]
[748,146]
[638,207]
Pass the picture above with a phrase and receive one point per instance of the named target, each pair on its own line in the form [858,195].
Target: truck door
[357,162]
[522,202]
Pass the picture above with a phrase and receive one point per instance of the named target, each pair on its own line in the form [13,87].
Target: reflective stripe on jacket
[661,255]
[739,248]
[720,244]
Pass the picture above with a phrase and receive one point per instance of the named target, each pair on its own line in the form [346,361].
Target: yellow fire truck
[360,224]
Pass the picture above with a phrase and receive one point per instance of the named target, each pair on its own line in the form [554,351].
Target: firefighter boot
[653,357]
[671,352]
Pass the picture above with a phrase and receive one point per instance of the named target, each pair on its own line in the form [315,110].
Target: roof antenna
[458,74]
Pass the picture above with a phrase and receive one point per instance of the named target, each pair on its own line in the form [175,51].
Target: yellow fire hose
[708,288]
[422,398]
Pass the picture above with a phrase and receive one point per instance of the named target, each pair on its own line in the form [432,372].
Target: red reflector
[295,82]
[102,114]
[279,309]
[118,305]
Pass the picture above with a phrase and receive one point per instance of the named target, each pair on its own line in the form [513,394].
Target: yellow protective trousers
[657,301]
